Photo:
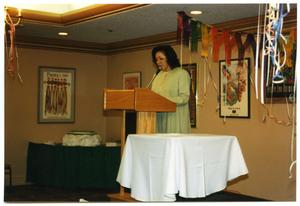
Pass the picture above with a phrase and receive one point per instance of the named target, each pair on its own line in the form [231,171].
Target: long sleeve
[183,89]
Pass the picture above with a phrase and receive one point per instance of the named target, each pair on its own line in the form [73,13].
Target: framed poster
[234,88]
[131,80]
[56,95]
[278,92]
[192,69]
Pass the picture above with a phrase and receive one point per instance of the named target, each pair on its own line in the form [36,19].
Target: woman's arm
[183,83]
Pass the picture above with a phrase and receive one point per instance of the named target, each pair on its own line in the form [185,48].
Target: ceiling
[128,23]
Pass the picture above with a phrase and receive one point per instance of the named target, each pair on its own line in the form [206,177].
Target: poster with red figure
[234,88]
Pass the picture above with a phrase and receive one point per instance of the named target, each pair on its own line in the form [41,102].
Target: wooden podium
[146,103]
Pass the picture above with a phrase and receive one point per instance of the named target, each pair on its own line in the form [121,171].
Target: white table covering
[157,166]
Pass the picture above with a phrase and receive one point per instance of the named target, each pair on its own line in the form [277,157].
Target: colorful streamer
[229,42]
[183,28]
[12,53]
[217,42]
[243,46]
[196,31]
[204,40]
[179,26]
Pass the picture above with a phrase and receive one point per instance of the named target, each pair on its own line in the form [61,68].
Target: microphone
[158,70]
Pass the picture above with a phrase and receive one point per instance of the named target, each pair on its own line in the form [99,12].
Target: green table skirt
[73,167]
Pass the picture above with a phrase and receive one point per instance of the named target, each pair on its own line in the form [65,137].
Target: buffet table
[73,167]
[157,166]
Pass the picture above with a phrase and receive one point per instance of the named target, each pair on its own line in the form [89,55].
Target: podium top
[138,99]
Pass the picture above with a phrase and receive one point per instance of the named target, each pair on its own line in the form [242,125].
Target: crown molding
[60,44]
[72,17]
[247,25]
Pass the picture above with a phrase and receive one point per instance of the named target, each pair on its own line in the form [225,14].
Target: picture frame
[131,80]
[277,93]
[234,88]
[192,70]
[56,94]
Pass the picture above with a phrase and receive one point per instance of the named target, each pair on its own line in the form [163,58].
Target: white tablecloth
[157,166]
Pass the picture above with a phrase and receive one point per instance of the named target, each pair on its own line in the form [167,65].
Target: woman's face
[161,61]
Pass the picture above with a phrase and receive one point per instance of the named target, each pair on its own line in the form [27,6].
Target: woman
[173,83]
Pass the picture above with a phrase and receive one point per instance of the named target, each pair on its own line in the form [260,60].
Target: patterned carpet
[34,193]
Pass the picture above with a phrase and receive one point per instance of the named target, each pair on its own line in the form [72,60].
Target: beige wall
[266,146]
[21,103]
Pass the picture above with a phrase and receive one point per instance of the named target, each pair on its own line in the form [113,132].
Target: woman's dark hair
[170,54]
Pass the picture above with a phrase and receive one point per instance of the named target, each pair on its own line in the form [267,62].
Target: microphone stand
[153,78]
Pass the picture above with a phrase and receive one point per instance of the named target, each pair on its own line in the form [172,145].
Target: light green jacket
[175,86]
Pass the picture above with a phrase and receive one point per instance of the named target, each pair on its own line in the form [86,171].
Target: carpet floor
[34,193]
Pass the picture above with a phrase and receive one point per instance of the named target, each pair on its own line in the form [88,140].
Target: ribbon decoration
[243,46]
[11,67]
[179,26]
[270,115]
[204,40]
[272,32]
[229,42]
[186,30]
[257,54]
[206,83]
[12,53]
[217,42]
[196,31]
[277,26]
[183,28]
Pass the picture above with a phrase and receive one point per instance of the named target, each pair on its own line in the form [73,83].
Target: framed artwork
[131,80]
[192,69]
[278,92]
[234,88]
[56,95]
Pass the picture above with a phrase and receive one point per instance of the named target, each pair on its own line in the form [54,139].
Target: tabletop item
[82,138]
